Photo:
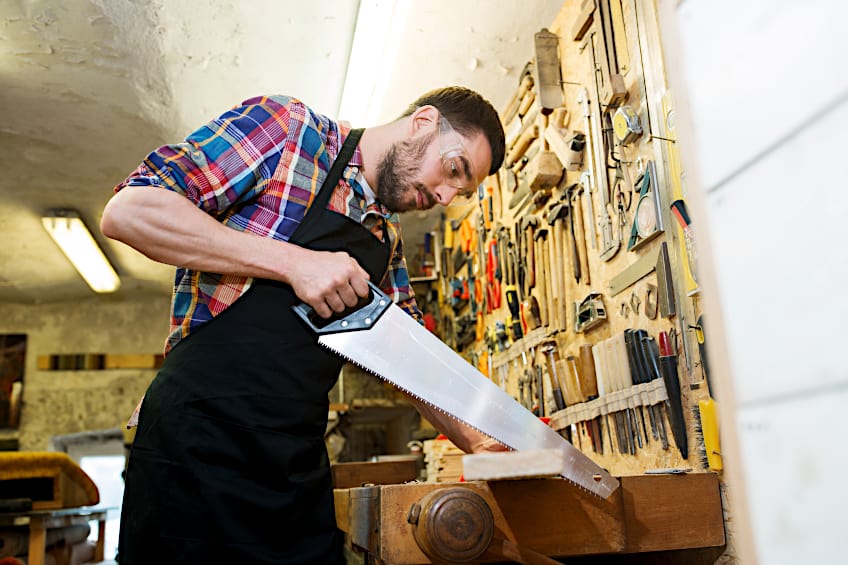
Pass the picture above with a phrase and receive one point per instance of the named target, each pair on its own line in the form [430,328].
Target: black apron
[229,463]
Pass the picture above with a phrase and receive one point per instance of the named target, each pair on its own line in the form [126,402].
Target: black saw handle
[360,317]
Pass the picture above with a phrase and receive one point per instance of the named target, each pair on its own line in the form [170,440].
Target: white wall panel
[779,231]
[794,461]
[756,70]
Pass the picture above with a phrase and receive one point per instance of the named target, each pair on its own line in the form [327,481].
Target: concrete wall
[65,402]
[767,110]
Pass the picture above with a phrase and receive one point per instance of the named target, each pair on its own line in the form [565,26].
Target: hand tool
[531,312]
[589,313]
[544,170]
[554,254]
[597,167]
[547,71]
[528,225]
[549,350]
[540,392]
[610,84]
[707,426]
[579,232]
[541,276]
[638,374]
[587,389]
[678,210]
[626,125]
[522,193]
[647,222]
[548,256]
[525,83]
[593,388]
[620,373]
[568,147]
[668,369]
[707,409]
[573,252]
[521,144]
[584,20]
[589,220]
[641,268]
[665,285]
[514,313]
[604,388]
[493,285]
[650,357]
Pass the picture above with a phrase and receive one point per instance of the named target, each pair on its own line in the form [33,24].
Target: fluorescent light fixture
[376,38]
[76,242]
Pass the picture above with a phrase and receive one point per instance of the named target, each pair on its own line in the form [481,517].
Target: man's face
[414,173]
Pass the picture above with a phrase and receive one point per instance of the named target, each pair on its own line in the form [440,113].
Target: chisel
[668,369]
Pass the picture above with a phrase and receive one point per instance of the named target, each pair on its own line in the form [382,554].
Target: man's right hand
[329,282]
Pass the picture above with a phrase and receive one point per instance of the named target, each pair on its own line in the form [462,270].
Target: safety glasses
[457,166]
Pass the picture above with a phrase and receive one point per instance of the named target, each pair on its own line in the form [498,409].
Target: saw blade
[399,350]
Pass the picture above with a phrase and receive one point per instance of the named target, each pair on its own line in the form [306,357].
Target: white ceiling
[89,87]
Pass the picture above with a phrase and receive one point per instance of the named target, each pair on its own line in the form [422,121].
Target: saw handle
[360,317]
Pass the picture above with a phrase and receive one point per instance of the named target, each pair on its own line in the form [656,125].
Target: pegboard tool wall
[570,280]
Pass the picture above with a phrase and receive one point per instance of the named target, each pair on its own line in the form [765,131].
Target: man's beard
[397,171]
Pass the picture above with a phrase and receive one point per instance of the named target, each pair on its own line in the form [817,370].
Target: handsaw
[384,340]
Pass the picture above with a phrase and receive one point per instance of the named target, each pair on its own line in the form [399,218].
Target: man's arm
[467,439]
[167,227]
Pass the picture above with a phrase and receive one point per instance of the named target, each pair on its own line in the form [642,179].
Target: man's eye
[454,170]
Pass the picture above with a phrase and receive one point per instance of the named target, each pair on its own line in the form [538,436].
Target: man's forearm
[168,228]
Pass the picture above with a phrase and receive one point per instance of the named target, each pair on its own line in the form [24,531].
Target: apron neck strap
[335,174]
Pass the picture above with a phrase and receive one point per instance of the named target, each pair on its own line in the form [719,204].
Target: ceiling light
[76,242]
[376,40]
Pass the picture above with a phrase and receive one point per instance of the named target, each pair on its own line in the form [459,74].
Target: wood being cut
[536,463]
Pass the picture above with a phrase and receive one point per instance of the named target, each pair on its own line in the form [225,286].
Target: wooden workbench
[679,514]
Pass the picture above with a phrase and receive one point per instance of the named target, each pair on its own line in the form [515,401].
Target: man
[267,206]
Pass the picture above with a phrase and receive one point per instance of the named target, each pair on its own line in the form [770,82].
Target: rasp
[384,340]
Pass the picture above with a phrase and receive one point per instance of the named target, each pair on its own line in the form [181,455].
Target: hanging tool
[610,84]
[578,232]
[647,222]
[597,168]
[513,304]
[547,71]
[555,247]
[678,210]
[551,356]
[589,219]
[668,369]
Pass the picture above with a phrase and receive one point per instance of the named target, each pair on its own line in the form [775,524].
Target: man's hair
[469,113]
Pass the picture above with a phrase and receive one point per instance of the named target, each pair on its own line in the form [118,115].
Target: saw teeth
[422,400]
[430,404]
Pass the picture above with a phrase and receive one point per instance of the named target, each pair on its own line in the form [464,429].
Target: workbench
[39,521]
[664,518]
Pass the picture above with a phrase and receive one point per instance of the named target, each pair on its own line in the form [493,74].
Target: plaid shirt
[257,169]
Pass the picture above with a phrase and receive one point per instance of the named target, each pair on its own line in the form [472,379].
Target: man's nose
[445,193]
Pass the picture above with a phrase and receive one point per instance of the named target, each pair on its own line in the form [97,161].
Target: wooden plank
[347,475]
[663,512]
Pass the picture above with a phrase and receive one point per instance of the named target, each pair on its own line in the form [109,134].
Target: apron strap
[335,174]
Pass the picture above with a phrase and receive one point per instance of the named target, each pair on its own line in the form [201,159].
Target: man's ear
[424,118]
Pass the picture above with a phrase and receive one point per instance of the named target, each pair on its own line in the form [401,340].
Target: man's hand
[464,437]
[487,445]
[328,281]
